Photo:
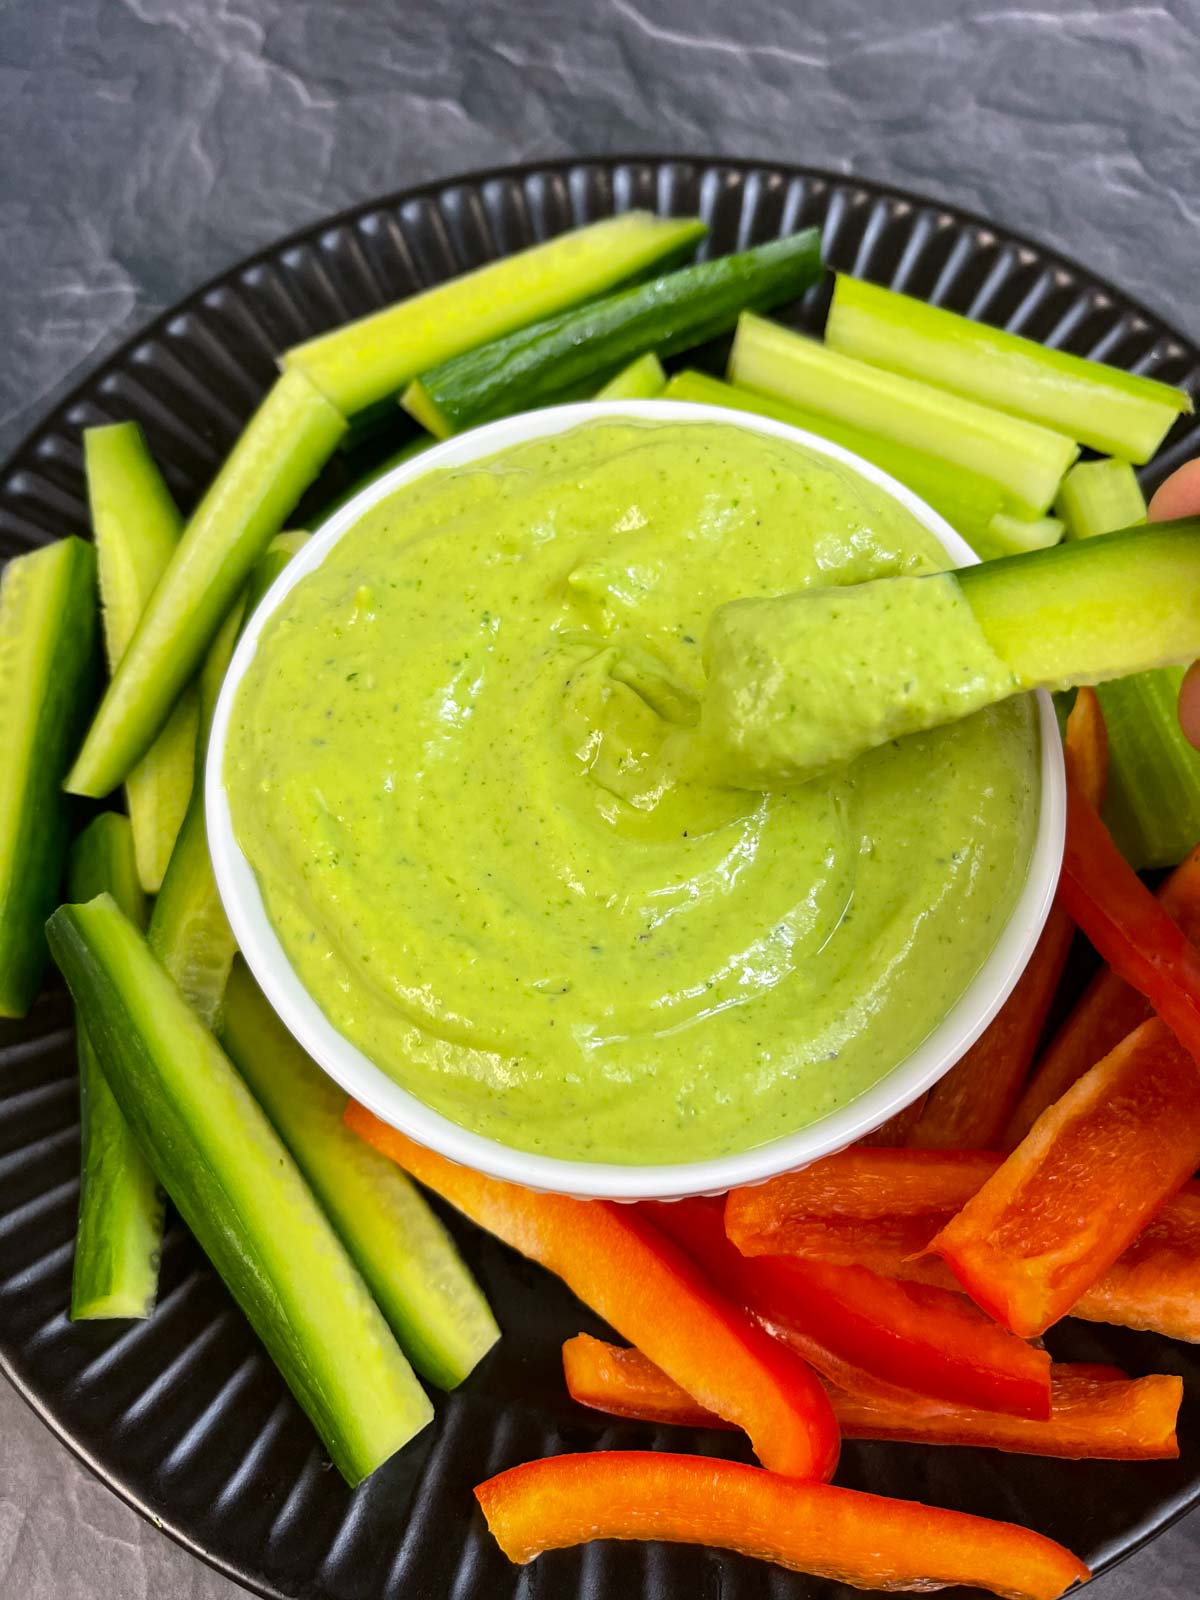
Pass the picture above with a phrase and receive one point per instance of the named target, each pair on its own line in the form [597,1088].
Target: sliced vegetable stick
[862,1331]
[1096,1413]
[1127,925]
[969,1107]
[620,1265]
[1080,1188]
[880,1208]
[1108,1010]
[862,1539]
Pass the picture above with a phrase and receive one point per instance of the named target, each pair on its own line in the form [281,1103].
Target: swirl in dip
[447,767]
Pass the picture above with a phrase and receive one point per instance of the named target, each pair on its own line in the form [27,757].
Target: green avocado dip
[451,765]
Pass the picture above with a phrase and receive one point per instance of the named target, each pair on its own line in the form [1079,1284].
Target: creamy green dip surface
[452,766]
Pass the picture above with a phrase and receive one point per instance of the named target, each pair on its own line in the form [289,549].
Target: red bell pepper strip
[969,1108]
[1127,925]
[1108,1010]
[1080,1188]
[862,1539]
[613,1258]
[862,1331]
[1096,1413]
[898,1128]
[881,1208]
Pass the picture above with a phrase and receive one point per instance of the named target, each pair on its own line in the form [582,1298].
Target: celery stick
[1153,803]
[119,1233]
[1099,497]
[136,527]
[420,1283]
[1026,460]
[1013,535]
[284,446]
[642,379]
[1114,411]
[967,501]
[369,360]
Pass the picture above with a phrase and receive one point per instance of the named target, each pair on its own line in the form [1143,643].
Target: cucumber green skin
[118,1238]
[48,685]
[420,1283]
[567,356]
[283,448]
[368,361]
[238,1190]
[967,500]
[1093,609]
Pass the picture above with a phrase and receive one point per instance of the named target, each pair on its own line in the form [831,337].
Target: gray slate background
[149,143]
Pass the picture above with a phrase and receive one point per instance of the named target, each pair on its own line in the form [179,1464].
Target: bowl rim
[353,1070]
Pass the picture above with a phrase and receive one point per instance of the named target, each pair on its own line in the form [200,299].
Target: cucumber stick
[967,501]
[642,379]
[372,359]
[828,674]
[1027,461]
[410,1264]
[1086,611]
[236,1187]
[568,356]
[136,527]
[1153,799]
[284,446]
[1116,412]
[118,1238]
[189,931]
[48,680]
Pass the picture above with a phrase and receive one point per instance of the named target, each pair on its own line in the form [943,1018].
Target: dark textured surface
[163,138]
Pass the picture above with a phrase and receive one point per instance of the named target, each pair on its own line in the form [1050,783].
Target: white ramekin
[361,1078]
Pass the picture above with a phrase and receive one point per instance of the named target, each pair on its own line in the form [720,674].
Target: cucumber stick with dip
[832,673]
[118,1237]
[1119,413]
[136,527]
[283,448]
[49,673]
[237,1188]
[369,361]
[189,931]
[434,1306]
[1026,460]
[1153,799]
[567,356]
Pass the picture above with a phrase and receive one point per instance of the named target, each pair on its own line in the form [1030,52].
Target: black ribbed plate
[183,1415]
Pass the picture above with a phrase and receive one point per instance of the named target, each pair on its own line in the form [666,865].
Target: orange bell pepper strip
[1127,925]
[617,1262]
[969,1108]
[862,1331]
[1108,1010]
[862,1539]
[1094,1170]
[881,1208]
[1096,1413]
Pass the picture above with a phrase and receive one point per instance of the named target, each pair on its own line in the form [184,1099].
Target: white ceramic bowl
[361,1078]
